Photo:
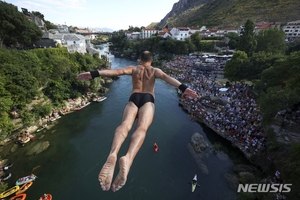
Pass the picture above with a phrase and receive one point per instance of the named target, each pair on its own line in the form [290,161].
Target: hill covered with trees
[222,13]
[47,73]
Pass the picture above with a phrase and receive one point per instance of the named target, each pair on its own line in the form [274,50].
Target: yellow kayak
[9,191]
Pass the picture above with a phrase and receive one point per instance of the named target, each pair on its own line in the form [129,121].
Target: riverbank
[55,113]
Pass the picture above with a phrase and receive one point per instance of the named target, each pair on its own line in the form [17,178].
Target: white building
[148,32]
[164,34]
[180,33]
[194,29]
[73,42]
[128,35]
[292,30]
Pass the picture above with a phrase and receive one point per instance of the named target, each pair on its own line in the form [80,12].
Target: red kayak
[49,197]
[155,147]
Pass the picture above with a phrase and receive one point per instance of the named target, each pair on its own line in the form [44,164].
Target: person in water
[140,105]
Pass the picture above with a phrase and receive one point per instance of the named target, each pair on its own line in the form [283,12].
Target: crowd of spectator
[237,118]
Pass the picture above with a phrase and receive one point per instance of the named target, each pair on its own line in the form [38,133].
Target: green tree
[258,62]
[247,42]
[196,39]
[293,46]
[234,38]
[38,14]
[15,27]
[271,41]
[234,69]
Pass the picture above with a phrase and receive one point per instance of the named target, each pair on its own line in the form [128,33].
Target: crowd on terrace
[235,115]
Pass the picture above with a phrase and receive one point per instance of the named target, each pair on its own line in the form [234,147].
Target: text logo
[264,187]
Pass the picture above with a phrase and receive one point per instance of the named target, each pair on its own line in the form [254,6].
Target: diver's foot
[107,172]
[121,178]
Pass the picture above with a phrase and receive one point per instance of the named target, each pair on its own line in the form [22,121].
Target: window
[296,30]
[181,34]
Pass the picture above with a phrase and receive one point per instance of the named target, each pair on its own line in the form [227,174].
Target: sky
[114,14]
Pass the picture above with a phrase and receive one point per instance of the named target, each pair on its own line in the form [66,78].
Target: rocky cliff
[179,7]
[222,13]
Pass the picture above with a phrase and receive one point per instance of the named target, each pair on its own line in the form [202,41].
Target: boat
[9,191]
[19,197]
[24,187]
[100,99]
[75,109]
[49,197]
[5,177]
[194,183]
[26,179]
[41,128]
[52,119]
[27,139]
[155,147]
[6,167]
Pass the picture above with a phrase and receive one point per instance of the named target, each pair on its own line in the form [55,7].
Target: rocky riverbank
[71,103]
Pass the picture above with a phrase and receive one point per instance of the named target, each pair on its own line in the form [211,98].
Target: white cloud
[63,4]
[30,5]
[58,4]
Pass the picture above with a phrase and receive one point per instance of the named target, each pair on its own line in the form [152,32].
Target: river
[80,143]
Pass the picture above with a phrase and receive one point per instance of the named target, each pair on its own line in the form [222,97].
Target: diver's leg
[145,118]
[129,116]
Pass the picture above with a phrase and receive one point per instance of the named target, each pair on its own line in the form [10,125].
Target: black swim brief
[139,99]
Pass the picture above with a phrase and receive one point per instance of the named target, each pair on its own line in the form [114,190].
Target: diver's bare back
[143,79]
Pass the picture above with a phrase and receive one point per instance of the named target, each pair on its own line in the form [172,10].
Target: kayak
[194,185]
[25,179]
[6,167]
[19,197]
[9,192]
[101,99]
[5,177]
[49,197]
[25,141]
[24,187]
[41,128]
[155,147]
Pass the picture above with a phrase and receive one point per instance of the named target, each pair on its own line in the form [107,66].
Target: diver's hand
[85,76]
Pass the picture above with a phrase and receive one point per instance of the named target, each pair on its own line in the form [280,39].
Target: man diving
[140,105]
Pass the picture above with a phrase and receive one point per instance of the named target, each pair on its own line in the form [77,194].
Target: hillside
[222,13]
[152,25]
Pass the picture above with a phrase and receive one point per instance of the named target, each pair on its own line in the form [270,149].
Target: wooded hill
[222,13]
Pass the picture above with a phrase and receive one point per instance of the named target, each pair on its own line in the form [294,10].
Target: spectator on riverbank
[239,121]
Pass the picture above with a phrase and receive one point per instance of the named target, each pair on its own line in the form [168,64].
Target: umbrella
[223,89]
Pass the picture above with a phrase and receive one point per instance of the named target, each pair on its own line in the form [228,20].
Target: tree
[38,14]
[234,38]
[293,46]
[196,39]
[247,41]
[234,69]
[258,62]
[271,41]
[25,11]
[15,27]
